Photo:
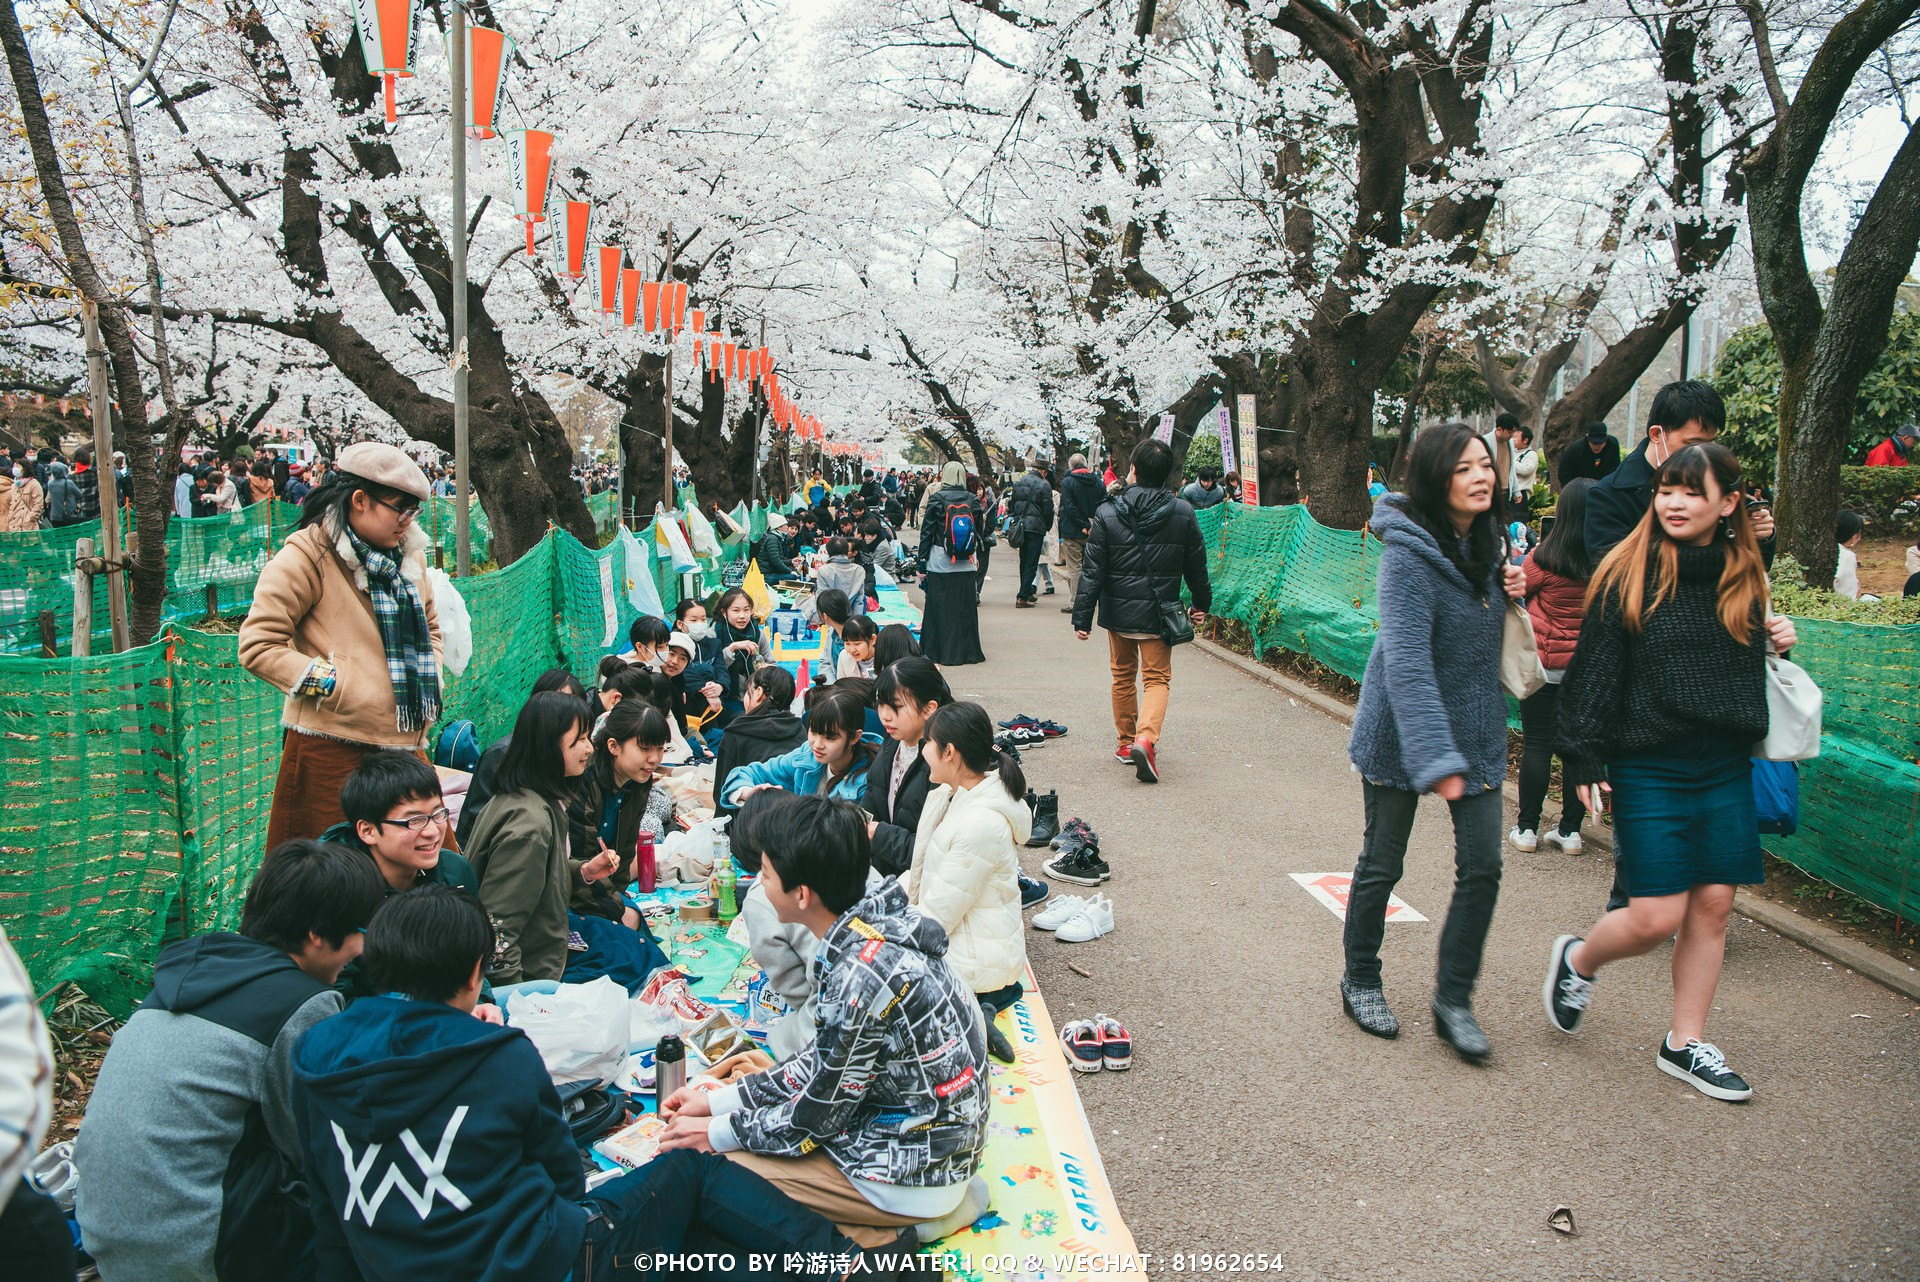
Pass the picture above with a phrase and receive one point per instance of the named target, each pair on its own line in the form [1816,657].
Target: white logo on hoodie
[433,1169]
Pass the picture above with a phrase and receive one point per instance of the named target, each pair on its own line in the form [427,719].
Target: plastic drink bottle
[726,904]
[669,1067]
[643,863]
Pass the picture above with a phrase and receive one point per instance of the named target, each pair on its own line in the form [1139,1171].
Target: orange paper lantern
[629,294]
[650,306]
[571,229]
[530,161]
[386,42]
[610,259]
[486,69]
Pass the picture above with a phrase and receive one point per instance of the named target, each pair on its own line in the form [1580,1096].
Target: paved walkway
[1257,1118]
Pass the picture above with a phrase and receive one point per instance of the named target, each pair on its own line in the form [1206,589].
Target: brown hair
[1622,576]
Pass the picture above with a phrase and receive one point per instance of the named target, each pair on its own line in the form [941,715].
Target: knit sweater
[1684,673]
[1430,701]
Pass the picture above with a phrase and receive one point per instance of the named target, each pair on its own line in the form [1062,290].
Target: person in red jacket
[1557,574]
[1893,451]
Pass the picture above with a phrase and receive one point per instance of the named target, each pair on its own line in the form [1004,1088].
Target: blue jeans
[687,1201]
[1476,884]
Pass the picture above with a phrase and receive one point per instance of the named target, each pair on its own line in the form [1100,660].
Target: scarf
[403,631]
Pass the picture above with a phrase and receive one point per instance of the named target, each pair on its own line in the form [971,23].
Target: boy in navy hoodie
[435,1145]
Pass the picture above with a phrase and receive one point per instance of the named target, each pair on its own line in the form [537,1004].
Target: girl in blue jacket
[831,763]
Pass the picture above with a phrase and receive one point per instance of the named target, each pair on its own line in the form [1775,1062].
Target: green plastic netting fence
[140,782]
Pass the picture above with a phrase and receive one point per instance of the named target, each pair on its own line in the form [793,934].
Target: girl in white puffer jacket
[966,868]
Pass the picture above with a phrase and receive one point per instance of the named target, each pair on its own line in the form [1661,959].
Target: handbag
[1176,625]
[1793,713]
[1521,673]
[1776,796]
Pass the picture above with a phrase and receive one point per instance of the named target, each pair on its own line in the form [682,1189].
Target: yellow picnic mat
[1051,1217]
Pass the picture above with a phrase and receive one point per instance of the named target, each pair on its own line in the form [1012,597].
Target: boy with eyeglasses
[397,816]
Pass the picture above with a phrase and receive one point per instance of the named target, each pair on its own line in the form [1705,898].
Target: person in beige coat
[343,624]
[966,870]
[21,511]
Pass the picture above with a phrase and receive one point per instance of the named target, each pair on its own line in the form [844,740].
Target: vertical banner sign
[1226,440]
[1164,432]
[1249,454]
[530,162]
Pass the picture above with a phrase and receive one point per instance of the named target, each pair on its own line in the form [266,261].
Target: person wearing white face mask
[29,502]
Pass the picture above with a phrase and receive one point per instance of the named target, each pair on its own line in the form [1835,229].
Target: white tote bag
[1521,673]
[1793,713]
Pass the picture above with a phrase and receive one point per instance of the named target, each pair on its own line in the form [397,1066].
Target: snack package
[634,1145]
[719,1037]
[667,991]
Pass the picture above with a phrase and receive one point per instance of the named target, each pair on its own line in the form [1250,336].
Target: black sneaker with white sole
[1566,992]
[1701,1065]
[1081,865]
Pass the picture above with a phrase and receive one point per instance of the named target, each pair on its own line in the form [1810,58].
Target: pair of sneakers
[1098,1044]
[1079,859]
[1529,840]
[1075,919]
[1047,729]
[1139,754]
[1567,994]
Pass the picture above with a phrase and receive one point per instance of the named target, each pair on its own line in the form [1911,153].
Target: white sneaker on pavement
[1059,910]
[1524,839]
[1569,842]
[1094,919]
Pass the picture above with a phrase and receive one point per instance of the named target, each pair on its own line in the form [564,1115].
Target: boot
[1046,818]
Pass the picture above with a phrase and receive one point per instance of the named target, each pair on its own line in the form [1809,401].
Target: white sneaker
[1524,839]
[1094,919]
[1059,910]
[1569,842]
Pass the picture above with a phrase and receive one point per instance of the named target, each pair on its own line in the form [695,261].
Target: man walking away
[1081,493]
[1029,514]
[1139,548]
[1205,492]
[1596,455]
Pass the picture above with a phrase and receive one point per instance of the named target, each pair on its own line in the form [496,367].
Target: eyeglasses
[404,513]
[414,823]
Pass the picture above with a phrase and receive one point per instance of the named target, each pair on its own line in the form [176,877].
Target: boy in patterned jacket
[880,1122]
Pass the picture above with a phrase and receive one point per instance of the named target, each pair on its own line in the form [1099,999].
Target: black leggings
[1538,715]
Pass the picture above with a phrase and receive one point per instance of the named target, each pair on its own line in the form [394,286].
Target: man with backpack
[951,531]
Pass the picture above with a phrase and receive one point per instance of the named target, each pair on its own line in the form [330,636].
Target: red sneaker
[1124,754]
[1144,769]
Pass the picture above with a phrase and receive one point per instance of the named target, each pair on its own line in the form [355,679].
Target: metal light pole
[462,463]
[111,552]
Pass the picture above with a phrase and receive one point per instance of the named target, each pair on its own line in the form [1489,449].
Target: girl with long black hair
[1432,719]
[1666,695]
[1556,572]
[907,694]
[617,801]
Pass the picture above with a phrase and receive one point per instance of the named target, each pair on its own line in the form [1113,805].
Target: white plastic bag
[667,532]
[700,531]
[579,1029]
[456,625]
[642,593]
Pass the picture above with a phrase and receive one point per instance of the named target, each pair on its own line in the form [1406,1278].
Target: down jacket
[311,603]
[1127,576]
[1081,495]
[1556,604]
[966,876]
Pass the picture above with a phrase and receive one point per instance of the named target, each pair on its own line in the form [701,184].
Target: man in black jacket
[1081,494]
[1594,455]
[1140,546]
[1030,512]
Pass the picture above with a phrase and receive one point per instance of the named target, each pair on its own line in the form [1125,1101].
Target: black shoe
[1033,891]
[1080,864]
[997,1044]
[1459,1029]
[1046,818]
[1049,591]
[1025,736]
[1567,991]
[1701,1065]
[1004,743]
[1368,1008]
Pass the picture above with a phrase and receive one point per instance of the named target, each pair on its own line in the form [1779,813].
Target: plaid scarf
[403,631]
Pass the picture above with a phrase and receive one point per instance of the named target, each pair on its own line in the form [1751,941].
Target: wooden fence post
[82,599]
[49,646]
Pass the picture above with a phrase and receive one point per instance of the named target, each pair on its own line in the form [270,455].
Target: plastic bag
[643,594]
[700,532]
[580,1030]
[673,542]
[456,625]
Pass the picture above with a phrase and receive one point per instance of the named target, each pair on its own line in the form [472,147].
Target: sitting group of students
[332,1091]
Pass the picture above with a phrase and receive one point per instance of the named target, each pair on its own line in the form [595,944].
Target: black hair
[1507,421]
[334,497]
[758,816]
[967,728]
[1209,473]
[306,888]
[684,606]
[629,680]
[821,844]
[1526,433]
[833,604]
[915,676]
[382,781]
[1846,526]
[859,628]
[426,943]
[837,546]
[533,757]
[840,712]
[1152,461]
[725,603]
[610,666]
[1436,452]
[871,528]
[1564,549]
[631,721]
[649,631]
[1677,404]
[896,643]
[560,679]
[778,685]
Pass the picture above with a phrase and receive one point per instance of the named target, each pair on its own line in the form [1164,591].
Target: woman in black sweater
[907,693]
[1661,706]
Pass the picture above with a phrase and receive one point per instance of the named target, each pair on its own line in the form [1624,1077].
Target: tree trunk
[1430,351]
[1338,436]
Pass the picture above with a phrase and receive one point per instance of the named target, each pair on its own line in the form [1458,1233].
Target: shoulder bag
[1176,625]
[1521,673]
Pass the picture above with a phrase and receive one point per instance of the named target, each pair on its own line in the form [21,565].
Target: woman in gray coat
[1432,718]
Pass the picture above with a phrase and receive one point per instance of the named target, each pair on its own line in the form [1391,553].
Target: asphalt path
[1258,1118]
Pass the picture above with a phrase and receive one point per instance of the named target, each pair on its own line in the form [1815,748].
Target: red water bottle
[643,863]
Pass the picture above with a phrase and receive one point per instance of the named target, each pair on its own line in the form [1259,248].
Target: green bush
[1791,595]
[1876,492]
[1203,451]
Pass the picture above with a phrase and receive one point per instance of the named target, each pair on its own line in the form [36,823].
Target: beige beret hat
[386,465]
